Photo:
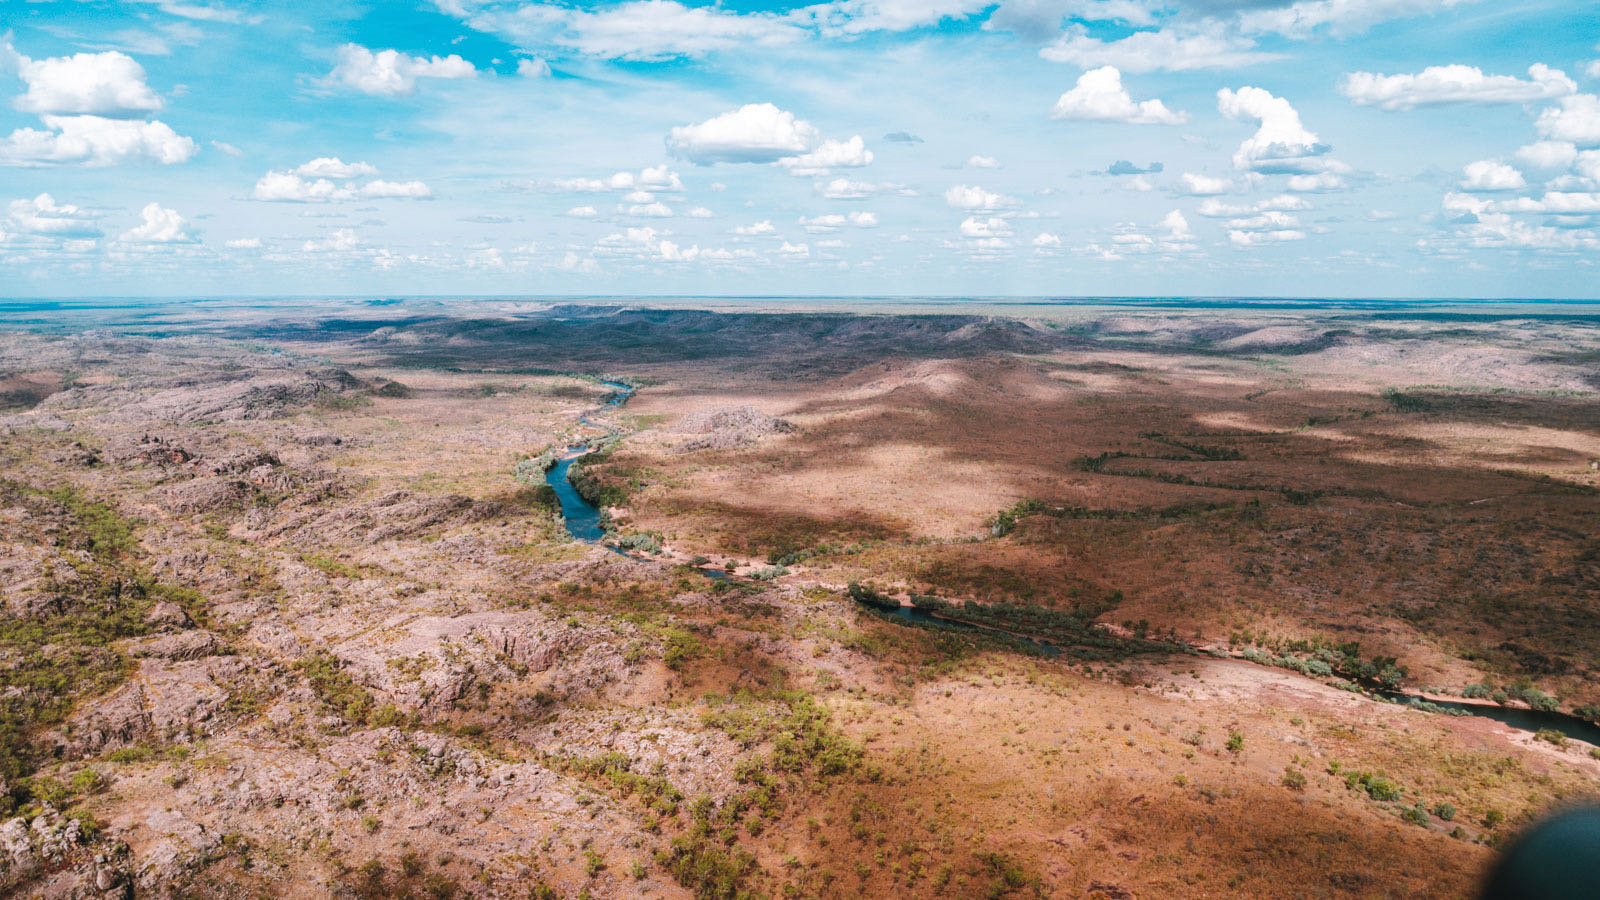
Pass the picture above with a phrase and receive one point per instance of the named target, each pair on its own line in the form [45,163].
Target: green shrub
[646,543]
[705,867]
[1552,736]
[1376,785]
[335,687]
[1534,697]
[1446,811]
[1416,815]
[1294,779]
[1235,742]
[53,661]
[1008,875]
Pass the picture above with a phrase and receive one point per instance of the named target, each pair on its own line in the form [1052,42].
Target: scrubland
[281,617]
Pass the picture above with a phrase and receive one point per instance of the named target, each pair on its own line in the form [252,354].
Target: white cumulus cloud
[1488,175]
[845,189]
[328,179]
[95,141]
[1438,85]
[1148,51]
[1216,209]
[333,167]
[1099,96]
[1281,144]
[101,84]
[977,199]
[830,154]
[1320,183]
[390,73]
[159,225]
[1196,185]
[1576,121]
[1548,155]
[753,133]
[408,190]
[42,216]
[974,227]
[342,240]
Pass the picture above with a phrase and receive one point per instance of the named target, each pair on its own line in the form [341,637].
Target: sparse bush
[1416,815]
[1376,785]
[1535,698]
[1552,736]
[1235,742]
[373,881]
[645,543]
[532,469]
[1294,779]
[53,660]
[705,867]
[335,687]
[869,597]
[1009,875]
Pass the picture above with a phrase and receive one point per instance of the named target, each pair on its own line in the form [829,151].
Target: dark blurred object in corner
[1559,857]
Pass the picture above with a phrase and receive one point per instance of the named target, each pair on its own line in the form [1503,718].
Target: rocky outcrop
[728,427]
[55,846]
[205,495]
[183,645]
[215,398]
[393,515]
[34,421]
[430,662]
[171,697]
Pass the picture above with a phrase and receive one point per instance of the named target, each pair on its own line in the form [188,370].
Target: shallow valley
[289,605]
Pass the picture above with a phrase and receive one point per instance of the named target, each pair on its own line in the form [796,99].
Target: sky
[1321,148]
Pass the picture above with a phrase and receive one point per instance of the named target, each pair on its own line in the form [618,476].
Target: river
[583,523]
[582,517]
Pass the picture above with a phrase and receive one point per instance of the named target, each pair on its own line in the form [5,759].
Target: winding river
[583,523]
[582,517]
[1517,717]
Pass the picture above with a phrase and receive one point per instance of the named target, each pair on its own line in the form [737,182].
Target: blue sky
[943,147]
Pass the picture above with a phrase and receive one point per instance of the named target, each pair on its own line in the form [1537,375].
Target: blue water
[913,614]
[1526,719]
[582,517]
